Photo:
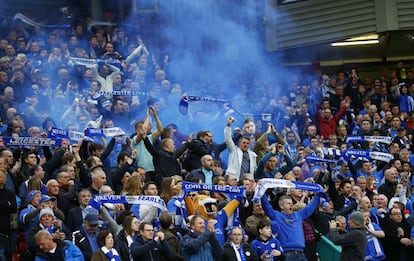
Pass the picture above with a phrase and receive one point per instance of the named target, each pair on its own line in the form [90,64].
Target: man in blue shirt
[290,232]
[205,173]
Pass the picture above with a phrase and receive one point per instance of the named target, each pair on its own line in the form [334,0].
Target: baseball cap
[32,194]
[92,219]
[46,198]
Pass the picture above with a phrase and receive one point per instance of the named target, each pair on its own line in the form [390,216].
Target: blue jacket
[71,252]
[290,232]
[203,247]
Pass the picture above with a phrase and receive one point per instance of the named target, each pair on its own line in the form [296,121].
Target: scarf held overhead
[155,201]
[267,183]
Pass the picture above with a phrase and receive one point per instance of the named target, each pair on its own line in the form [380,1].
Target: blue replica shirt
[291,235]
[374,249]
[260,247]
[219,227]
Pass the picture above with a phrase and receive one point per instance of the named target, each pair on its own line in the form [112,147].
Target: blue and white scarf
[155,201]
[267,183]
[380,139]
[370,155]
[30,141]
[112,254]
[240,256]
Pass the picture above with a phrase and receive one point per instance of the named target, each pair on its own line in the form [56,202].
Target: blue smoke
[215,48]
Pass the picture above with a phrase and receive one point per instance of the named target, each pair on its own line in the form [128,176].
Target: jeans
[295,257]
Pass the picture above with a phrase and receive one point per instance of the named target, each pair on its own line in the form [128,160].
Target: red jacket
[327,127]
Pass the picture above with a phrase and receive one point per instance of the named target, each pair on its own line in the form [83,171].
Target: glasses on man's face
[149,230]
[192,195]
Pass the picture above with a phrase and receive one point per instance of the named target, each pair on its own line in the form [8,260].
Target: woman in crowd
[106,251]
[126,236]
[132,187]
[237,249]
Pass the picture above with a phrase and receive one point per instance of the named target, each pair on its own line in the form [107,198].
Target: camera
[57,230]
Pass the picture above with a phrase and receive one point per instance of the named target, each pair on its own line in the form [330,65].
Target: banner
[267,183]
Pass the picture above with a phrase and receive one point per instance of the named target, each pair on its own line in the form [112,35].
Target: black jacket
[393,249]
[165,163]
[8,206]
[354,244]
[121,245]
[74,219]
[388,189]
[81,240]
[230,255]
[151,250]
[196,150]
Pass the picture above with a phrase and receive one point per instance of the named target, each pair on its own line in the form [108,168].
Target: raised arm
[142,129]
[134,54]
[227,135]
[150,147]
[270,212]
[158,123]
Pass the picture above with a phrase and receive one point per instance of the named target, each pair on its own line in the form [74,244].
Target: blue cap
[32,194]
[92,219]
[46,198]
